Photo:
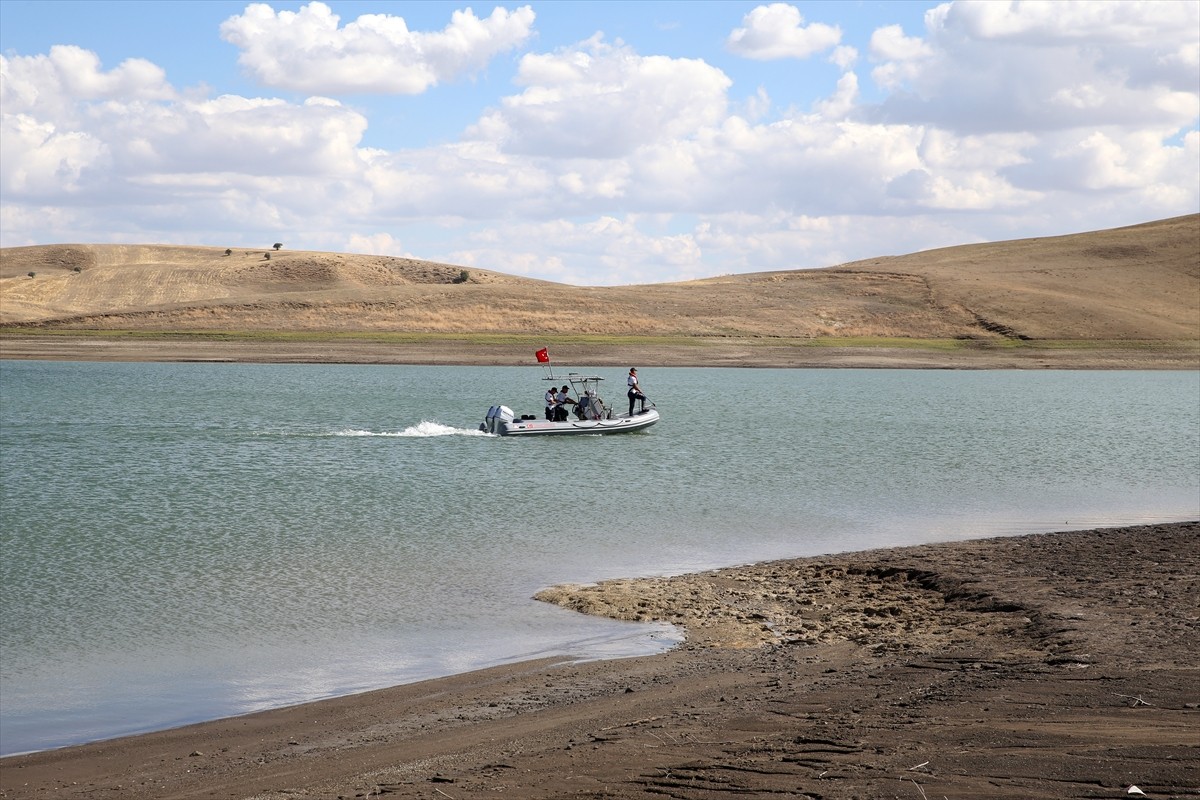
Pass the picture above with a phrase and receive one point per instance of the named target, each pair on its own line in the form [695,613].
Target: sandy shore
[702,352]
[1047,666]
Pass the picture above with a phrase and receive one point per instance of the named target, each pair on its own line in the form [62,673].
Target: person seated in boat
[563,400]
[583,407]
[635,391]
[551,404]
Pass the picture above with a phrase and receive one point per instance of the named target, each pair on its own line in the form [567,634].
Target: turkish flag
[543,356]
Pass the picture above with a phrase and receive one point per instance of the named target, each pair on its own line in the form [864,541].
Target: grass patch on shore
[537,341]
[383,337]
[486,339]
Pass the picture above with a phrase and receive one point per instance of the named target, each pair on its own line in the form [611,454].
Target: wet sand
[1062,665]
[699,352]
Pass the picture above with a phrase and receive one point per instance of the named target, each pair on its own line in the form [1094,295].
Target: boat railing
[586,386]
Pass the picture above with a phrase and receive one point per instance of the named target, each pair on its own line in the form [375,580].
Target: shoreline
[703,352]
[1043,665]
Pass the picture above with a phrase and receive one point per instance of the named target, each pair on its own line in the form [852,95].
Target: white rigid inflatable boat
[589,416]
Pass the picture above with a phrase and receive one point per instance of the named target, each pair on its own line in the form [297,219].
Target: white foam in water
[422,430]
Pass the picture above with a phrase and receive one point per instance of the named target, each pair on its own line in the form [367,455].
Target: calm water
[189,541]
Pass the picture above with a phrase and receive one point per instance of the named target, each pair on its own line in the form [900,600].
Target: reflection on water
[185,541]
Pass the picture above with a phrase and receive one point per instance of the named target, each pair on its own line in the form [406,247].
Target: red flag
[543,356]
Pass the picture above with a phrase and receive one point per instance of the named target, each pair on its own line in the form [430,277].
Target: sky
[595,143]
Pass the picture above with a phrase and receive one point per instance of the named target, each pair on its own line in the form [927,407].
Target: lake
[189,541]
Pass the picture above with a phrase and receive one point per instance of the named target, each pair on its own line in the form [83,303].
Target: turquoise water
[189,541]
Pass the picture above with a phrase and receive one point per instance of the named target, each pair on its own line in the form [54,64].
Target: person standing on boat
[551,404]
[563,399]
[635,391]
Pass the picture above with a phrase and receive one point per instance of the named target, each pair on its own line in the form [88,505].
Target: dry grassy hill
[1140,283]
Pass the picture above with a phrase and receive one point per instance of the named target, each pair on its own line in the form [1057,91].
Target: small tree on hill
[277,245]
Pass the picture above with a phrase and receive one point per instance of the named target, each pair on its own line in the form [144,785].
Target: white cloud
[106,136]
[904,57]
[510,256]
[1088,161]
[379,244]
[941,150]
[600,251]
[890,43]
[605,165]
[467,181]
[1055,21]
[843,101]
[778,31]
[750,242]
[24,225]
[131,156]
[599,100]
[307,51]
[986,66]
[805,165]
[757,107]
[40,161]
[844,56]
[53,84]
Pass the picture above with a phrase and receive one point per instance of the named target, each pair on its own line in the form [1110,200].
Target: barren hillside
[1140,283]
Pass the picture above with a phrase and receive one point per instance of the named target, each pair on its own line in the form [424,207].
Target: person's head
[563,389]
[633,370]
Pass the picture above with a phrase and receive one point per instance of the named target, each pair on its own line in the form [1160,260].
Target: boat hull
[502,426]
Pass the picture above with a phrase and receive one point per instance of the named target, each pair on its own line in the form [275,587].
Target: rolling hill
[1132,284]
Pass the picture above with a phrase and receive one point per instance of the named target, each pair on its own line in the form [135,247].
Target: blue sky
[595,143]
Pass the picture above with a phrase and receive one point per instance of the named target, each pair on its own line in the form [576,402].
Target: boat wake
[423,430]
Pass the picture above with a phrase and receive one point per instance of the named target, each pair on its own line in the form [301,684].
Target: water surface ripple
[188,541]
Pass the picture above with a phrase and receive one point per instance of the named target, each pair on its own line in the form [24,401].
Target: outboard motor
[497,418]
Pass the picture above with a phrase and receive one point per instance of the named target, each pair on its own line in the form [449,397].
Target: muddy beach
[1054,665]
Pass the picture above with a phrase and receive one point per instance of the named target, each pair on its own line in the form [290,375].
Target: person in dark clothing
[635,391]
[563,400]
